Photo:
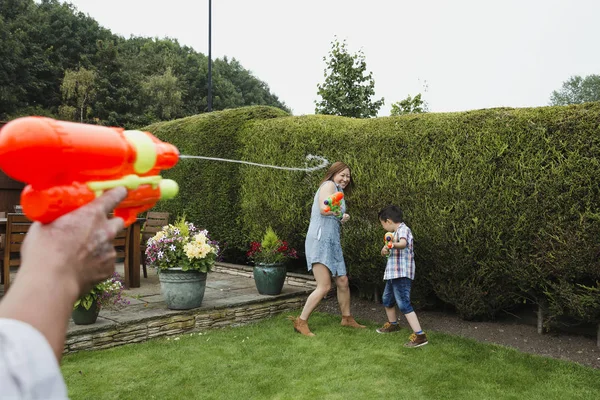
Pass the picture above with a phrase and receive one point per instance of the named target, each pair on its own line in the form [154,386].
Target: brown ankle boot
[301,326]
[348,320]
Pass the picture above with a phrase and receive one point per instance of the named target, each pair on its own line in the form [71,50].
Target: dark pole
[209,57]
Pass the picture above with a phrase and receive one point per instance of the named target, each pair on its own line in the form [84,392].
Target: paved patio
[225,289]
[230,299]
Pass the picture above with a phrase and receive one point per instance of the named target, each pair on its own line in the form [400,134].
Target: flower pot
[81,316]
[269,278]
[182,290]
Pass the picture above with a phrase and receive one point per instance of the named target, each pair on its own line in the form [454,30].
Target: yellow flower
[205,249]
[196,250]
[200,239]
[191,250]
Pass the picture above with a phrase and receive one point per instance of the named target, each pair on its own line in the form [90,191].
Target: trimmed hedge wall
[209,190]
[503,203]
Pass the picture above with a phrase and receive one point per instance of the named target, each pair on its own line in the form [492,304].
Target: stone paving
[229,288]
[230,299]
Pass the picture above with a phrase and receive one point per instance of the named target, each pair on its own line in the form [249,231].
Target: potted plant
[269,258]
[105,294]
[183,255]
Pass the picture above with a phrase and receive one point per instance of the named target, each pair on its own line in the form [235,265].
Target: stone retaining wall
[202,320]
[117,334]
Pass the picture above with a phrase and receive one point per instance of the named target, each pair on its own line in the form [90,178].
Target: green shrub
[493,196]
[576,301]
[209,190]
[503,203]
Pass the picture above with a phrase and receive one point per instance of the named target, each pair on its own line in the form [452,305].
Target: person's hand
[385,251]
[345,218]
[77,247]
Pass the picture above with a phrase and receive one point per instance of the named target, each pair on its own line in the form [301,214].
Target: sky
[461,54]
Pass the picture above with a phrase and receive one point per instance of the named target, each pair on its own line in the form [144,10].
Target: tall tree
[41,39]
[577,90]
[79,86]
[117,90]
[409,105]
[252,90]
[163,95]
[348,89]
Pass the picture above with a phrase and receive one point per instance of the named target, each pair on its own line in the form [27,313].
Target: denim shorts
[397,291]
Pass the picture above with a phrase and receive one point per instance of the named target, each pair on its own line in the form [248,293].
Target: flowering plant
[182,246]
[271,250]
[106,294]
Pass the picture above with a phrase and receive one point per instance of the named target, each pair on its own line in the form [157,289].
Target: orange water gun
[334,203]
[388,239]
[66,165]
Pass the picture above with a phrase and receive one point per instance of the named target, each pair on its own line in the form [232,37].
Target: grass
[268,360]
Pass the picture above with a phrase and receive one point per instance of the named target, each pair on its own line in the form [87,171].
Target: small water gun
[66,165]
[388,239]
[334,203]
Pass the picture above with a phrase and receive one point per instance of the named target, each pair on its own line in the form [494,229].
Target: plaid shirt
[401,262]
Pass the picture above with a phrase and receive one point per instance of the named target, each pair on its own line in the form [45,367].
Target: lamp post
[209,57]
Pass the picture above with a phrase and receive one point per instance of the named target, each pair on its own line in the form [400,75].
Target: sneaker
[388,328]
[417,340]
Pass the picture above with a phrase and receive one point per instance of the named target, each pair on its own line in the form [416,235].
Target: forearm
[45,303]
[326,213]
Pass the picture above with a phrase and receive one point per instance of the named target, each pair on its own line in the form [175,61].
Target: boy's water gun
[334,203]
[388,238]
[66,165]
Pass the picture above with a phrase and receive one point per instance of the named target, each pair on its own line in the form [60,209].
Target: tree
[79,85]
[12,49]
[347,90]
[41,39]
[252,90]
[409,106]
[163,95]
[577,90]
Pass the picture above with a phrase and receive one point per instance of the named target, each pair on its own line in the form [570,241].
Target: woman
[324,250]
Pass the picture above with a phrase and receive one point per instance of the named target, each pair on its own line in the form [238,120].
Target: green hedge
[503,203]
[209,190]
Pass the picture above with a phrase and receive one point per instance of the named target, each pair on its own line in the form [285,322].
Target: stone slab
[226,292]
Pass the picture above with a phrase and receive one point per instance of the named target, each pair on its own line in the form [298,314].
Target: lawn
[268,360]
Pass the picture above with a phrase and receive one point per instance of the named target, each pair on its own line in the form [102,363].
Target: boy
[398,276]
